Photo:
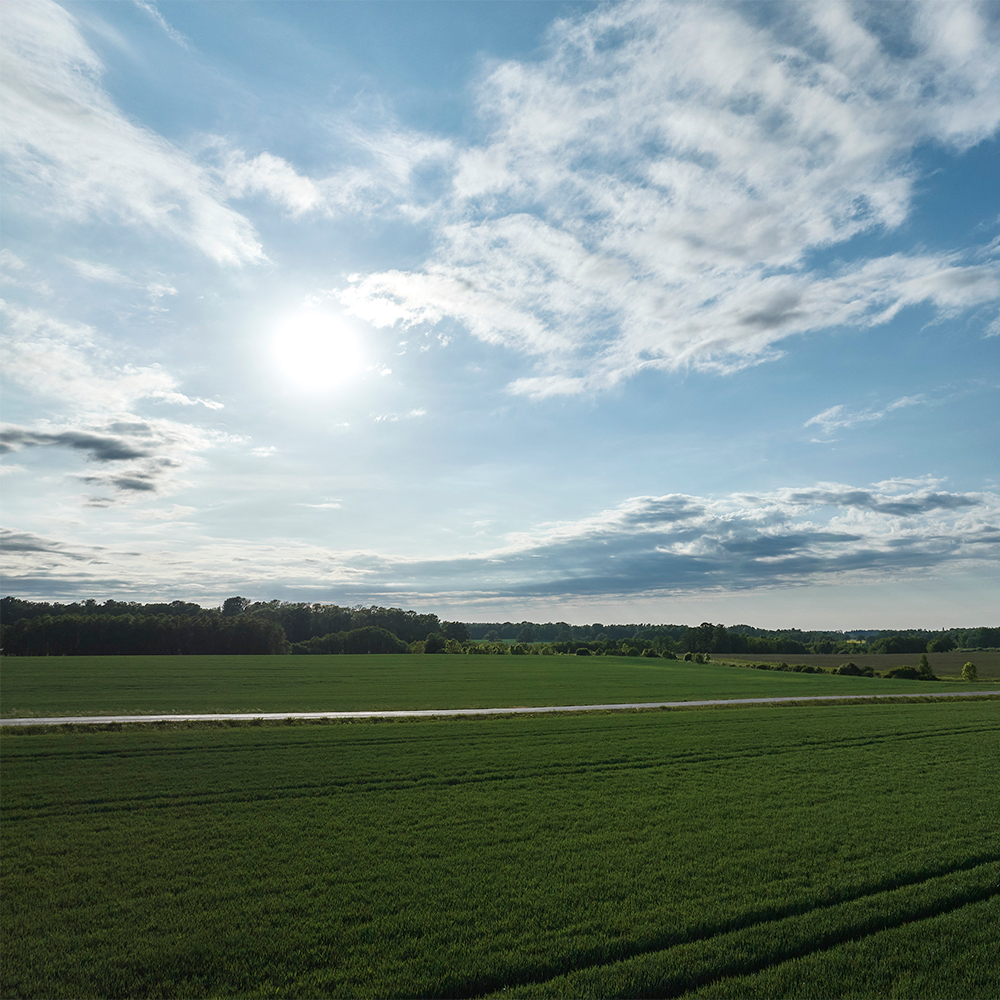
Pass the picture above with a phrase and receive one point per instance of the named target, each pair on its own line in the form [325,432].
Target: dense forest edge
[242,626]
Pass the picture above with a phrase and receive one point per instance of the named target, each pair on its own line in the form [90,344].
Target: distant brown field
[943,664]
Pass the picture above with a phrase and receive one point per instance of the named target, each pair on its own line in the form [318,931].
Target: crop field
[765,851]
[135,685]
[946,665]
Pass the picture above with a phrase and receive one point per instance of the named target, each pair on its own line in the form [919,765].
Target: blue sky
[583,312]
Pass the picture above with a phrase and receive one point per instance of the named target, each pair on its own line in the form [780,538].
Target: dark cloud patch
[138,482]
[139,456]
[667,509]
[28,542]
[99,447]
[780,311]
[898,506]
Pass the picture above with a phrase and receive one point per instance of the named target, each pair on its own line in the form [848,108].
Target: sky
[627,312]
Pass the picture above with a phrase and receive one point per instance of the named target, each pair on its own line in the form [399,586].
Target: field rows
[463,856]
[431,776]
[676,971]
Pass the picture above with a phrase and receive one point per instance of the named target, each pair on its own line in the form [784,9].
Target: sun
[316,351]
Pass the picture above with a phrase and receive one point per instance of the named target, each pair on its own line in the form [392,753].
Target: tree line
[239,625]
[711,638]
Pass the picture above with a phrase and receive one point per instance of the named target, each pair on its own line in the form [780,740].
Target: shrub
[849,670]
[688,657]
[435,643]
[699,658]
[583,651]
[969,672]
[902,673]
[651,653]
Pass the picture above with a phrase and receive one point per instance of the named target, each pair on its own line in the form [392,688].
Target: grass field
[947,665]
[135,685]
[780,851]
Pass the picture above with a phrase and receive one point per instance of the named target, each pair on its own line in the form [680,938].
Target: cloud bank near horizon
[670,544]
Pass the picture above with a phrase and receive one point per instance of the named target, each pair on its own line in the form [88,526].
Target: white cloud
[156,290]
[172,33]
[838,417]
[172,513]
[14,271]
[651,193]
[99,272]
[70,370]
[381,179]
[393,418]
[68,147]
[69,364]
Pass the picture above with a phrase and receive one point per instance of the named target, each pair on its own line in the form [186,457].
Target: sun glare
[316,351]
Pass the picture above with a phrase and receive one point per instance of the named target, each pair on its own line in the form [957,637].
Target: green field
[779,851]
[135,685]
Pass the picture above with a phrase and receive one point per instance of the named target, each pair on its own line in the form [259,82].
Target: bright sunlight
[316,350]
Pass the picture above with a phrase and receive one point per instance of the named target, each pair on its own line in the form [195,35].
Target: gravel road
[523,710]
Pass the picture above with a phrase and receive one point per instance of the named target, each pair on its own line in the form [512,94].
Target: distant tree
[371,639]
[924,666]
[233,606]
[492,636]
[435,643]
[458,631]
[942,644]
[969,672]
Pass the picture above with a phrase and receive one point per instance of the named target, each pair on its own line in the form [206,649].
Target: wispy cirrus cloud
[105,273]
[69,363]
[69,148]
[672,544]
[380,178]
[840,418]
[150,8]
[653,192]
